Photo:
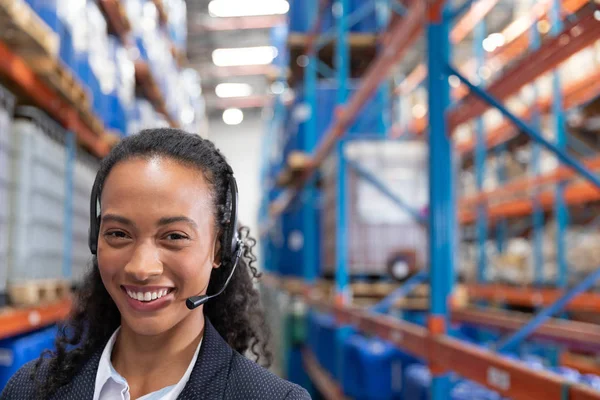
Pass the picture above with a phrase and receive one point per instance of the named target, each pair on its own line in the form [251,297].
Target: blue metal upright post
[442,225]
[560,208]
[480,155]
[501,225]
[71,147]
[309,224]
[341,10]
[538,213]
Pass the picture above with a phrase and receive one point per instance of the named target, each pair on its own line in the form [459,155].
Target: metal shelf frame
[443,353]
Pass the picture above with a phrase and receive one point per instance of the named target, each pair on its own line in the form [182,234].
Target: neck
[153,362]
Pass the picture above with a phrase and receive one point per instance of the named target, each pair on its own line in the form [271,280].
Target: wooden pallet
[296,163]
[23,29]
[60,78]
[37,292]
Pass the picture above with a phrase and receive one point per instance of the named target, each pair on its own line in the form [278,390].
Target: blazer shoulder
[248,380]
[22,385]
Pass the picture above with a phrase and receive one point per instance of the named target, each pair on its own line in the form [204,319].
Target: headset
[232,246]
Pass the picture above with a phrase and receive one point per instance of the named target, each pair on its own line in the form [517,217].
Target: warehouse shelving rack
[30,87]
[442,352]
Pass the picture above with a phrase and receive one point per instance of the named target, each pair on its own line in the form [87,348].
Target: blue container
[591,380]
[466,390]
[19,350]
[375,369]
[301,17]
[569,374]
[417,382]
[368,24]
[294,239]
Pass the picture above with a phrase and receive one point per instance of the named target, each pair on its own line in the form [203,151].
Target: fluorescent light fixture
[419,110]
[277,88]
[247,8]
[454,81]
[233,116]
[493,41]
[225,90]
[260,55]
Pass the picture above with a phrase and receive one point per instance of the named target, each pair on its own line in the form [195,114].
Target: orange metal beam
[16,321]
[321,378]
[510,378]
[530,297]
[520,185]
[575,335]
[16,69]
[575,37]
[575,194]
[583,364]
[574,95]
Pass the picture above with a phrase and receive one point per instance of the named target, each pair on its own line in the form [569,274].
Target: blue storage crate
[294,239]
[368,24]
[301,17]
[375,369]
[568,374]
[466,390]
[19,350]
[417,382]
[591,380]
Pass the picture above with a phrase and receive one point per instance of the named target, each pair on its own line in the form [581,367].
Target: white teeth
[147,296]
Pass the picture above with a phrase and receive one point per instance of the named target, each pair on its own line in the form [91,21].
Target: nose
[144,264]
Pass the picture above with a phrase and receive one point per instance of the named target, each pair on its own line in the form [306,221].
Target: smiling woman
[148,323]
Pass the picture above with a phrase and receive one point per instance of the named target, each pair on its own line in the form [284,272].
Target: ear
[217,253]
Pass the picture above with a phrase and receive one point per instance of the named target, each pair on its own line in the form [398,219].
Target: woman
[164,236]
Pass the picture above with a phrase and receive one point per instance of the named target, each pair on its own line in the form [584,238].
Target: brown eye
[176,236]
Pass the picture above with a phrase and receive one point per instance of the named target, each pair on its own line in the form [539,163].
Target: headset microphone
[197,301]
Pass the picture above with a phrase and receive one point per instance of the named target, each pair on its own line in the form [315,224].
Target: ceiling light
[261,55]
[454,81]
[245,8]
[493,41]
[419,110]
[225,90]
[543,26]
[277,88]
[233,116]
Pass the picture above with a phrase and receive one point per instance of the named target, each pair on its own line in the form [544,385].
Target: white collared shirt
[110,385]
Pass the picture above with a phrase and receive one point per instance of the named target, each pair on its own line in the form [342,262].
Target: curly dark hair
[237,316]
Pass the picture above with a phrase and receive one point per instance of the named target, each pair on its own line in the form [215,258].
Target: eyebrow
[181,218]
[117,218]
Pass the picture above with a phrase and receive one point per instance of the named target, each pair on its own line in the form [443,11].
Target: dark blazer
[219,373]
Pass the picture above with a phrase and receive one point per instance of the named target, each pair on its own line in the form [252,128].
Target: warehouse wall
[241,145]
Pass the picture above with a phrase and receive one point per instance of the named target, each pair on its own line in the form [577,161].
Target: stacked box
[38,216]
[6,111]
[377,228]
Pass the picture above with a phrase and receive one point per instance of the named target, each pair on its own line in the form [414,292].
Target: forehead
[156,184]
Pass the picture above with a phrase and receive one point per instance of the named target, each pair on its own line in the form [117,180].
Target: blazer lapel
[209,376]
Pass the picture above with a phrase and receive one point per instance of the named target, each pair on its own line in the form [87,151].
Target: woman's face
[156,245]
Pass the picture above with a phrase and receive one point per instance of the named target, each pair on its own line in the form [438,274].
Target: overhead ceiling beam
[256,101]
[212,71]
[237,23]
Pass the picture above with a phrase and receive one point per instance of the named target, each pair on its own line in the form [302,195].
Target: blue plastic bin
[19,350]
[417,382]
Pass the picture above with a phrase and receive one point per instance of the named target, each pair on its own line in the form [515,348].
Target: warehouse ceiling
[205,34]
[203,38]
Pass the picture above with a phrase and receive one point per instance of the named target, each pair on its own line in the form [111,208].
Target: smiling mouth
[147,296]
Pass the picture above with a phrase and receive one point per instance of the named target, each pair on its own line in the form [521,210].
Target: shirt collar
[106,371]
